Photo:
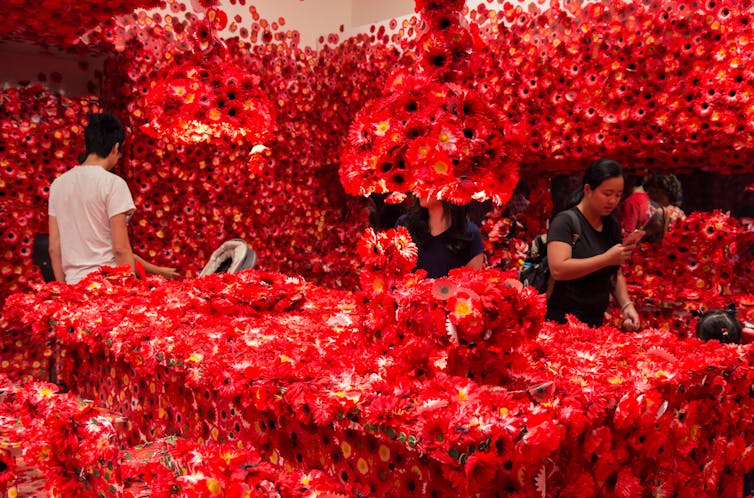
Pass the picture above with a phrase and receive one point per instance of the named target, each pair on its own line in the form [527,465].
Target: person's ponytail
[574,198]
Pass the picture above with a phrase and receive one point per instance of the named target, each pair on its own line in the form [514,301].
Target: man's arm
[54,249]
[157,270]
[121,245]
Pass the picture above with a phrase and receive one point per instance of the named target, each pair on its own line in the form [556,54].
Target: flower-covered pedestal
[375,390]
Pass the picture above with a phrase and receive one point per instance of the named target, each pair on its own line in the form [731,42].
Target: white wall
[311,18]
[367,12]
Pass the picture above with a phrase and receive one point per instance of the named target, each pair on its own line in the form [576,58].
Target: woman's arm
[564,267]
[477,262]
[631,319]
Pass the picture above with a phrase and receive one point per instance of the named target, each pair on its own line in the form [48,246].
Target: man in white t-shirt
[89,207]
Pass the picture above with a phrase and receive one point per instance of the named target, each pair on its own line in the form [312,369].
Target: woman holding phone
[585,251]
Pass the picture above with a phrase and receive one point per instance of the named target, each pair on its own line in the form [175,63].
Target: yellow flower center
[441,167]
[214,487]
[462,308]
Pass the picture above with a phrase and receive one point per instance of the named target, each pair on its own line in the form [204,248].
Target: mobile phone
[633,237]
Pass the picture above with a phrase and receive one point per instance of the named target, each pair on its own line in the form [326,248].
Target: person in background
[719,325]
[519,201]
[446,239]
[635,209]
[723,326]
[666,192]
[585,251]
[89,208]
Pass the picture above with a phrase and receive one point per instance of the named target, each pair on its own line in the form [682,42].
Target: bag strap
[665,221]
[576,222]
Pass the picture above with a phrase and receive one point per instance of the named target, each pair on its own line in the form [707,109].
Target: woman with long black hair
[585,251]
[446,239]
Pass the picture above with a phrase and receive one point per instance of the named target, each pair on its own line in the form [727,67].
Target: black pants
[749,483]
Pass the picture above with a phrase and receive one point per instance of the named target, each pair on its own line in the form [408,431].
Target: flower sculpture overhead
[207,97]
[432,133]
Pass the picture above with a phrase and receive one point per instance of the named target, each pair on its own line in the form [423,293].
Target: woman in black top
[584,252]
[445,237]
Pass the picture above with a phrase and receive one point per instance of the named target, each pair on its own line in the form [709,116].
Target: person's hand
[631,321]
[169,273]
[634,237]
[618,254]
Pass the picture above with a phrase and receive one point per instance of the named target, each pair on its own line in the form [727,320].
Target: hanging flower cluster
[430,133]
[208,102]
[432,139]
[207,97]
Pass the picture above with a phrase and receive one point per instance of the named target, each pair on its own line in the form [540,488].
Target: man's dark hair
[102,133]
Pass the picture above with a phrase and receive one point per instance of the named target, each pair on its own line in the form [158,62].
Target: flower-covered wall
[663,86]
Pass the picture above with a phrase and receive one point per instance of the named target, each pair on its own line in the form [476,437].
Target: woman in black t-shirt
[584,252]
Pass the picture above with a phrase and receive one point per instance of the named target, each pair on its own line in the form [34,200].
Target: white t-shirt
[83,200]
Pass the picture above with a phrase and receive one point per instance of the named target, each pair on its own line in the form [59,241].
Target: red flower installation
[70,442]
[41,134]
[58,23]
[407,386]
[575,411]
[207,97]
[704,262]
[387,257]
[431,133]
[538,68]
[592,81]
[76,447]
